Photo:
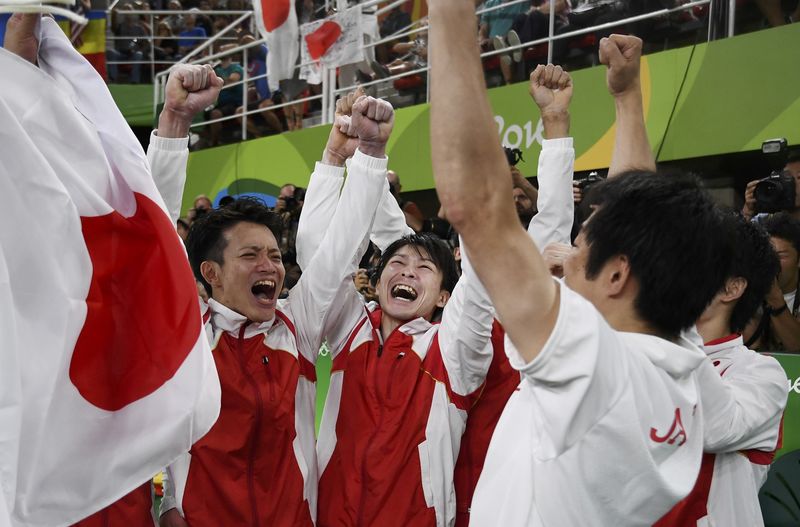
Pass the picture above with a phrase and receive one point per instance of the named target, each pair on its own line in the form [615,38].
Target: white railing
[329,89]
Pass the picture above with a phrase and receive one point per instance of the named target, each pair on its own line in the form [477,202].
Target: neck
[626,319]
[713,328]
[389,324]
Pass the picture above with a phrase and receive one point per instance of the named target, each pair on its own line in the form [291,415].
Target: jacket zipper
[251,486]
[371,442]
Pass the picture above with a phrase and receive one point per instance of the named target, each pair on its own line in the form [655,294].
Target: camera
[585,183]
[513,155]
[775,192]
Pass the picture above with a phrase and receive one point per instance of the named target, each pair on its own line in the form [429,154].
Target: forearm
[467,158]
[390,222]
[466,330]
[631,147]
[319,206]
[167,156]
[553,222]
[472,174]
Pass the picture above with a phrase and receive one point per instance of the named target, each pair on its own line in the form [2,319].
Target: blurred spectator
[258,94]
[413,55]
[165,46]
[203,21]
[130,45]
[175,21]
[777,328]
[230,98]
[182,227]
[497,23]
[525,196]
[200,206]
[414,217]
[191,35]
[397,20]
[289,205]
[773,11]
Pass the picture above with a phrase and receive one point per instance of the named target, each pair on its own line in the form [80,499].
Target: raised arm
[190,89]
[337,256]
[471,174]
[551,90]
[322,194]
[622,54]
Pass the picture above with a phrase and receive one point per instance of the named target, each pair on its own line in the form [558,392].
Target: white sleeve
[390,222]
[319,205]
[168,157]
[553,222]
[579,374]
[337,256]
[465,332]
[743,409]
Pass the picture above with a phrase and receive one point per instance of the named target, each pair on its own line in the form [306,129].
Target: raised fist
[372,121]
[190,89]
[554,255]
[342,141]
[621,54]
[551,88]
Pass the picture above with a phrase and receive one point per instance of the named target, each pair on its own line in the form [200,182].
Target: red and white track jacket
[395,409]
[737,459]
[257,465]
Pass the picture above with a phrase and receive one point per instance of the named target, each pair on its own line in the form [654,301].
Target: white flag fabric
[105,373]
[335,41]
[276,20]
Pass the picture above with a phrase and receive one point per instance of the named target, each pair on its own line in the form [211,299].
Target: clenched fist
[621,54]
[190,89]
[551,88]
[372,121]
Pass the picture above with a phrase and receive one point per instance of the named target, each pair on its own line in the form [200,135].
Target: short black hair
[673,237]
[439,252]
[783,226]
[206,240]
[755,260]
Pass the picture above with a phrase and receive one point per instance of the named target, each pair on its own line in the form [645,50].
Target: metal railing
[329,89]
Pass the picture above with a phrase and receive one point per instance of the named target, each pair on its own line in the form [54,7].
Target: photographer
[792,168]
[777,328]
[524,193]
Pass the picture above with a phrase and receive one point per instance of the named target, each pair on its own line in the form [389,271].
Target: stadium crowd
[574,354]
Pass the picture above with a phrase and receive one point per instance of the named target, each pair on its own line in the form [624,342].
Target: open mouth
[404,292]
[264,290]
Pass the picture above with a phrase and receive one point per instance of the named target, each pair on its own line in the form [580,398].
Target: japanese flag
[105,374]
[277,22]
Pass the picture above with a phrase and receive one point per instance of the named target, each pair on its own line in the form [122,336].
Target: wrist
[775,311]
[173,124]
[372,148]
[555,123]
[330,157]
[632,95]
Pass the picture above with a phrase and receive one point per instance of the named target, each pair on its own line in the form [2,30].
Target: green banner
[712,98]
[791,418]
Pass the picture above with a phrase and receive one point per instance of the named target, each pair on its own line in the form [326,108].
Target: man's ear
[616,274]
[444,296]
[734,289]
[212,273]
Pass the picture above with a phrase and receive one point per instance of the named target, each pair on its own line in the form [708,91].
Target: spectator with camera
[777,328]
[779,191]
[525,194]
